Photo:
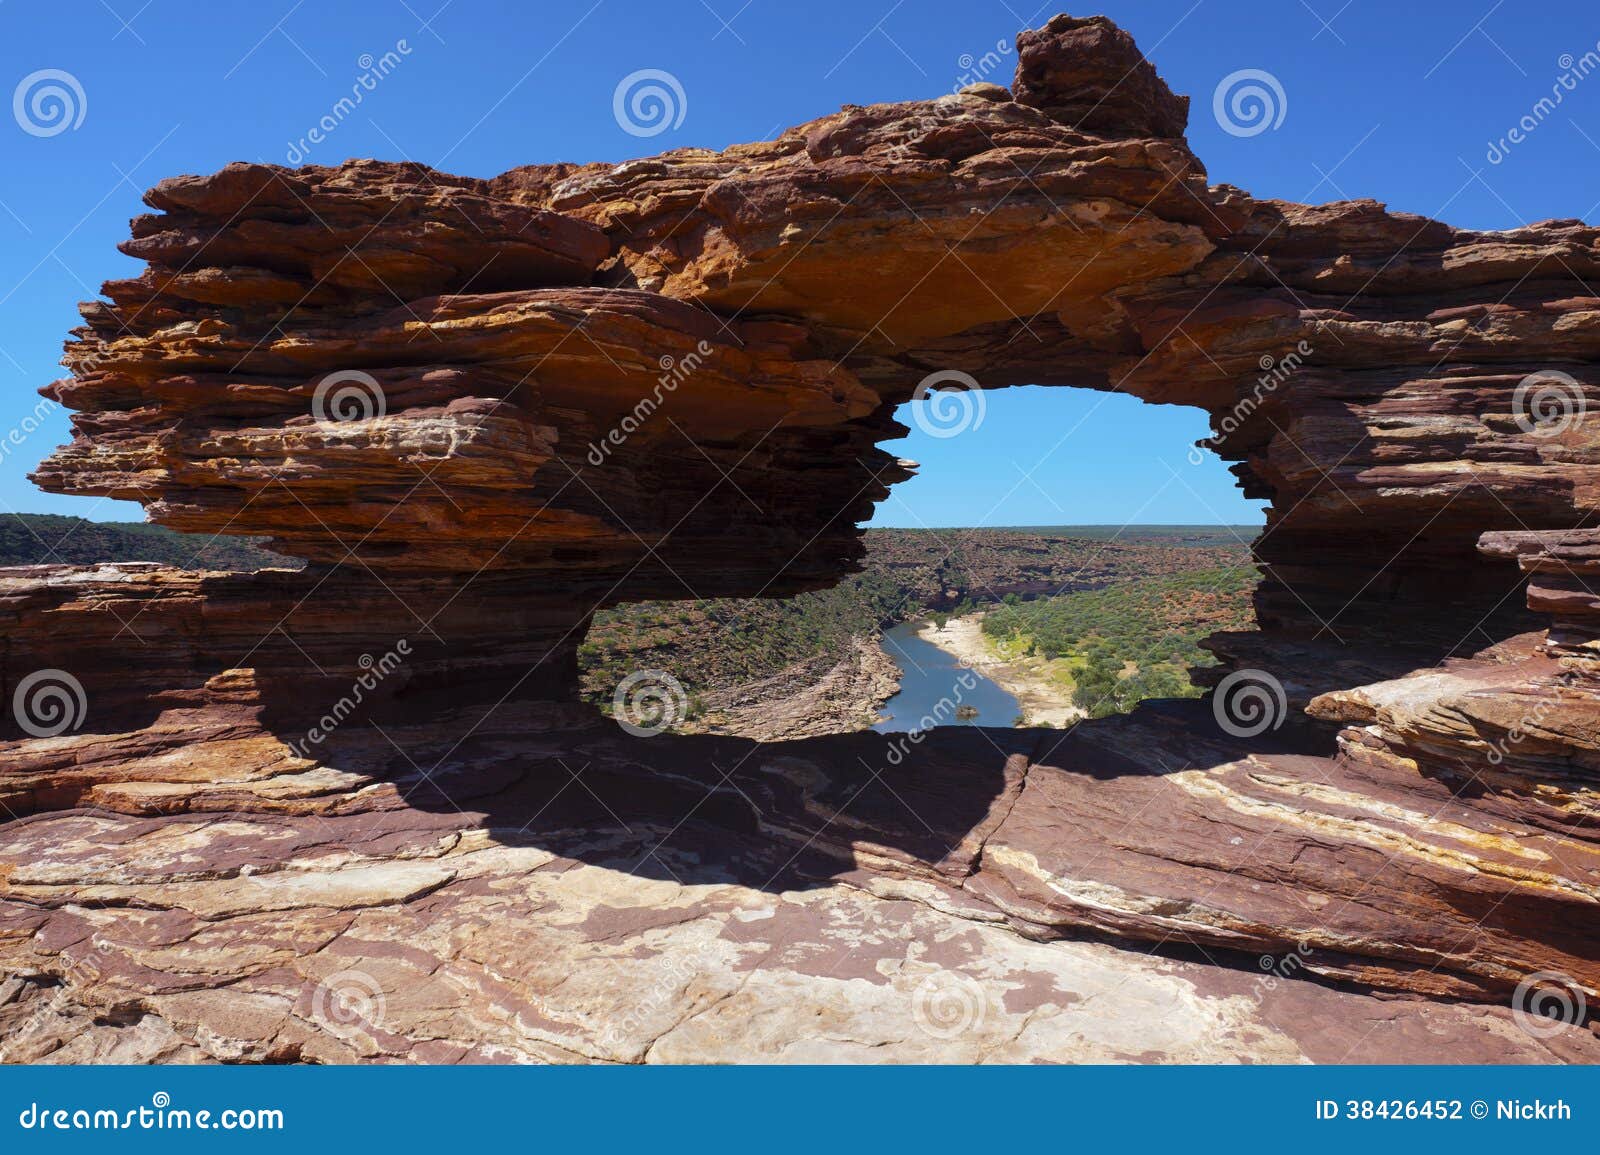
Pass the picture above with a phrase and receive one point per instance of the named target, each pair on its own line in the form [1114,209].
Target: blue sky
[1394,101]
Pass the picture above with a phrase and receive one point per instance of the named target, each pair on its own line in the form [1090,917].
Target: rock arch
[564,370]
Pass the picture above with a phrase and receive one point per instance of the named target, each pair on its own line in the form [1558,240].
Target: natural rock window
[1017,618]
[474,475]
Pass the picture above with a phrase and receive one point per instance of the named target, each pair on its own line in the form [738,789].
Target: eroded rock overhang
[432,389]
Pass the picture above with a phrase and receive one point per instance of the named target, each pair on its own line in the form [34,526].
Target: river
[933,684]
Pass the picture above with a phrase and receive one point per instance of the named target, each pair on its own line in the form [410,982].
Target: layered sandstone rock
[483,409]
[511,886]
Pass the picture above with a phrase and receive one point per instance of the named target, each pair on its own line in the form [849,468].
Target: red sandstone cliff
[432,388]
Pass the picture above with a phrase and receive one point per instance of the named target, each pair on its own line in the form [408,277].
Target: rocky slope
[941,568]
[482,409]
[808,699]
[45,539]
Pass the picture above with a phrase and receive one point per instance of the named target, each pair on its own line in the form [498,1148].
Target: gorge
[399,376]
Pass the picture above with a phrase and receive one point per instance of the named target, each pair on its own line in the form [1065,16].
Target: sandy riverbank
[1043,701]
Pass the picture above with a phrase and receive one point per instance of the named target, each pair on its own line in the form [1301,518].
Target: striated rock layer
[482,409]
[513,885]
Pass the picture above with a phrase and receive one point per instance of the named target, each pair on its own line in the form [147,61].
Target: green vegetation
[1131,641]
[1109,648]
[41,538]
[1161,589]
